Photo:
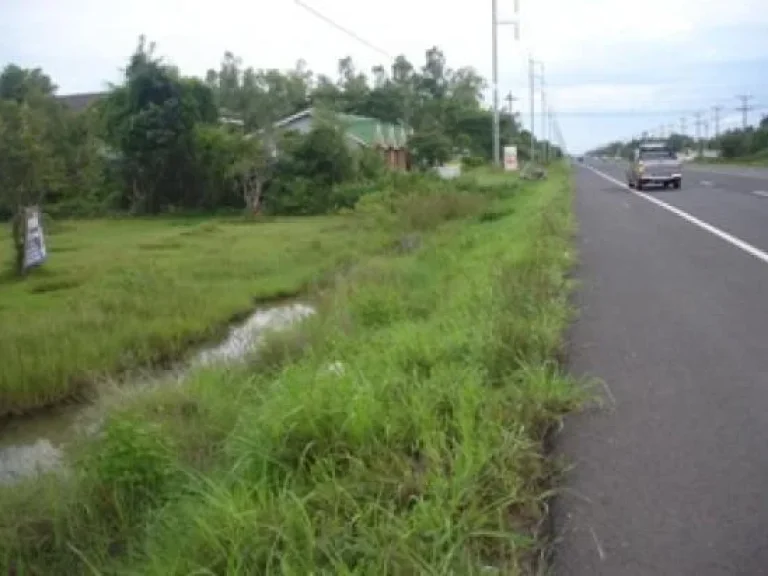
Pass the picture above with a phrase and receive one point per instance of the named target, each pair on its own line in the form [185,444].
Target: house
[389,140]
[79,102]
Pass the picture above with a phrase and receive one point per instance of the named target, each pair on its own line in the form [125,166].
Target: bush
[470,162]
[130,469]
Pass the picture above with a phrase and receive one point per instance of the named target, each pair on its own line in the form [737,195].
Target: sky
[612,68]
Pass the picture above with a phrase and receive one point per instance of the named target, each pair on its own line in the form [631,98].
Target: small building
[80,102]
[389,140]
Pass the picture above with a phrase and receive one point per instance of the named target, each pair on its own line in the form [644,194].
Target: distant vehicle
[654,163]
[580,158]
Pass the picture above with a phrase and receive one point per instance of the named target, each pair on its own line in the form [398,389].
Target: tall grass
[398,432]
[117,294]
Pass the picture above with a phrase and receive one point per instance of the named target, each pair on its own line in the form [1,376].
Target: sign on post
[510,158]
[34,241]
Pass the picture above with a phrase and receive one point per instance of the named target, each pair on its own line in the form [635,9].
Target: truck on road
[654,163]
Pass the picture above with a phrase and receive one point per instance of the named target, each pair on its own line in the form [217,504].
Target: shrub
[470,162]
[130,469]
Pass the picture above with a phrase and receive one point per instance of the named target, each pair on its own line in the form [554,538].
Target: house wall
[395,159]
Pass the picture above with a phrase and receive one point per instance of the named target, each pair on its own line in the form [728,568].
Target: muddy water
[36,444]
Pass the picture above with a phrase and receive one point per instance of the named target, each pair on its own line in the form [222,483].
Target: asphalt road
[670,477]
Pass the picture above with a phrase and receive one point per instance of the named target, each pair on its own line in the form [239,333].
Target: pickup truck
[654,164]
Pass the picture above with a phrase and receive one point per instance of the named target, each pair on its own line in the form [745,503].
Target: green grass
[757,160]
[424,455]
[117,294]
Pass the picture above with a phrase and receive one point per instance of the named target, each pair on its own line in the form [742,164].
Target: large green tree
[151,121]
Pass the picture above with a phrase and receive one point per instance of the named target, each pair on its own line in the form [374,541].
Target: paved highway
[670,476]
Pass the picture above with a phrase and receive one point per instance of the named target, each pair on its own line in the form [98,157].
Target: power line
[343,29]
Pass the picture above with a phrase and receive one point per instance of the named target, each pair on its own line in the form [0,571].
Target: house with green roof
[389,140]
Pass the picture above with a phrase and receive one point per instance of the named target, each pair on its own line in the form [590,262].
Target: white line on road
[706,183]
[761,193]
[733,240]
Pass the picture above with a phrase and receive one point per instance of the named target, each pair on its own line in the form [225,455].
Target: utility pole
[495,23]
[744,108]
[531,80]
[716,111]
[544,114]
[697,115]
[510,103]
[495,81]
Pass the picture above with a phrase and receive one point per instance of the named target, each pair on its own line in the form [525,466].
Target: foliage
[419,452]
[151,122]
[308,169]
[28,166]
[739,143]
[162,142]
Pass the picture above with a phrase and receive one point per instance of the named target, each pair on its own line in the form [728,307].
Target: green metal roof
[373,132]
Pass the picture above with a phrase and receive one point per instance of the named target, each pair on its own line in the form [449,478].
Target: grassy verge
[398,432]
[755,160]
[117,294]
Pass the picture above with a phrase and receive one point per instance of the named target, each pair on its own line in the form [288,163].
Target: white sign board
[510,158]
[34,242]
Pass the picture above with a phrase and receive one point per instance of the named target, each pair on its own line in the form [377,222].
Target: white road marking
[706,183]
[761,193]
[733,240]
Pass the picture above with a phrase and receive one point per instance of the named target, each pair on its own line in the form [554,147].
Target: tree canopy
[157,141]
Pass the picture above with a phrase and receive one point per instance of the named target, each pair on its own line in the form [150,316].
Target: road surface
[670,477]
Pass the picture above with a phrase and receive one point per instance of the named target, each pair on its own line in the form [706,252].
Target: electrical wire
[343,29]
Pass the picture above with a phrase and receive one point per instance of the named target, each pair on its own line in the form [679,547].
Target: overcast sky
[614,68]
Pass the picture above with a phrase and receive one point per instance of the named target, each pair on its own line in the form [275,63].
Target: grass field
[759,159]
[420,453]
[117,294]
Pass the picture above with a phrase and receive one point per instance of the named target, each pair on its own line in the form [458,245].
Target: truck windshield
[656,154]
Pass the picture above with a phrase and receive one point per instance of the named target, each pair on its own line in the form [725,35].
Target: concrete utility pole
[716,111]
[531,79]
[744,108]
[495,23]
[510,103]
[544,114]
[697,115]
[495,81]
[532,72]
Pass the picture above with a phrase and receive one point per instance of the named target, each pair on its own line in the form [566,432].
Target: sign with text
[34,241]
[510,158]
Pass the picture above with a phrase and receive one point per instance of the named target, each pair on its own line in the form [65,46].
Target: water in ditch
[35,444]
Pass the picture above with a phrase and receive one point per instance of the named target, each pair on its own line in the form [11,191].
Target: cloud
[599,54]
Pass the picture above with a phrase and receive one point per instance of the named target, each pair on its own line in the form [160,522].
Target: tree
[151,120]
[430,147]
[27,165]
[253,167]
[22,84]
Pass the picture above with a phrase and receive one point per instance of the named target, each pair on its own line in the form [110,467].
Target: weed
[401,433]
[118,294]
